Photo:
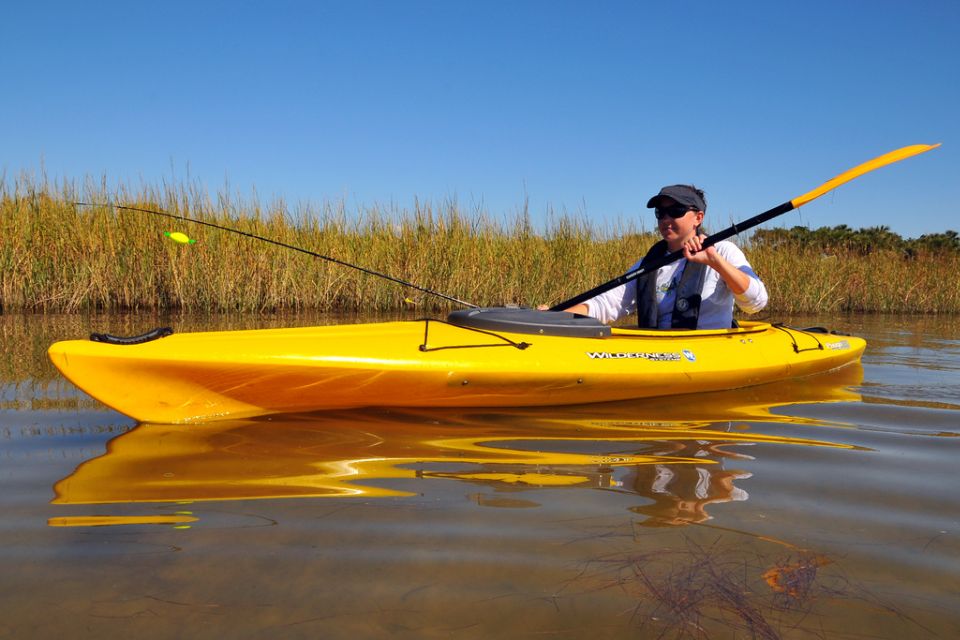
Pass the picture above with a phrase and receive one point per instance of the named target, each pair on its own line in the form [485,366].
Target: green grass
[58,257]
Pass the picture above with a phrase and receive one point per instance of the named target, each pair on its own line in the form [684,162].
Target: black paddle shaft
[653,265]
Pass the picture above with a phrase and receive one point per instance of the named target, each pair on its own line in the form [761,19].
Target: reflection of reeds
[59,257]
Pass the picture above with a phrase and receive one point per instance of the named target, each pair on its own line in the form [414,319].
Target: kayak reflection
[671,451]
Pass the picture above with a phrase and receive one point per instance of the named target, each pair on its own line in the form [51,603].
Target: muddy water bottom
[825,507]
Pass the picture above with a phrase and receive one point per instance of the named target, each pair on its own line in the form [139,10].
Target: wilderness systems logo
[656,356]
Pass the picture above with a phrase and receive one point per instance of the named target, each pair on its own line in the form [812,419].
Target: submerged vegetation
[60,257]
[731,589]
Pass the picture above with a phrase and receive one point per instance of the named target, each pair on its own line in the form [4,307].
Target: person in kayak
[696,292]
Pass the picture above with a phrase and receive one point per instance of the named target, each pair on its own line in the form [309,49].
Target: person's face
[676,230]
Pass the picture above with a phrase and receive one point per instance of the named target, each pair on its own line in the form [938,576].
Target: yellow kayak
[475,358]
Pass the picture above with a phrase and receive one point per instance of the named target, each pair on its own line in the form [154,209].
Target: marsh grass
[60,257]
[808,280]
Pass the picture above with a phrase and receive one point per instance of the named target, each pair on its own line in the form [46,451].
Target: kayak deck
[197,377]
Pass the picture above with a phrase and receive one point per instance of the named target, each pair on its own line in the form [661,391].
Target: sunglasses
[676,211]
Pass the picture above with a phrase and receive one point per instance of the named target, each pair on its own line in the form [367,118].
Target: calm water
[821,508]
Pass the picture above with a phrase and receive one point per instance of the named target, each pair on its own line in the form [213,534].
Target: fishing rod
[790,205]
[281,244]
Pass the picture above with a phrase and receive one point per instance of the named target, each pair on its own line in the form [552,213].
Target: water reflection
[671,453]
[680,495]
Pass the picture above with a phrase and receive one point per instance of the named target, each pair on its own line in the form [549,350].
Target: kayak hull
[199,377]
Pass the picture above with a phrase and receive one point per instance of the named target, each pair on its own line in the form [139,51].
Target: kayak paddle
[790,205]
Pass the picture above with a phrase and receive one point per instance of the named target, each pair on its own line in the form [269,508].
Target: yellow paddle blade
[859,170]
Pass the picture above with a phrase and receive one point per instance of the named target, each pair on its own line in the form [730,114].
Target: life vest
[686,305]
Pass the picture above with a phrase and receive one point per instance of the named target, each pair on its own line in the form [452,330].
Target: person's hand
[542,307]
[693,251]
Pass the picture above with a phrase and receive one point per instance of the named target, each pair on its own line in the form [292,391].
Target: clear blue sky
[582,107]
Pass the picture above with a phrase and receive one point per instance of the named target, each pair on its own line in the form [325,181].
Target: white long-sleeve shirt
[716,308]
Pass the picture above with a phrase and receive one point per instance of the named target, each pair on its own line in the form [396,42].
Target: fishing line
[286,246]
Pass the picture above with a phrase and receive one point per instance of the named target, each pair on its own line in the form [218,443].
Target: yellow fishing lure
[179,237]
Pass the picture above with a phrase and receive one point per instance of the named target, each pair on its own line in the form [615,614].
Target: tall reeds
[56,256]
[806,280]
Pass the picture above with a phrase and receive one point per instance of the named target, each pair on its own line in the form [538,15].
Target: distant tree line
[861,241]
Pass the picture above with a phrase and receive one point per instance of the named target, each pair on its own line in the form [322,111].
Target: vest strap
[686,306]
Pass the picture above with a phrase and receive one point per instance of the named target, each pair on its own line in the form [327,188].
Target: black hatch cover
[530,321]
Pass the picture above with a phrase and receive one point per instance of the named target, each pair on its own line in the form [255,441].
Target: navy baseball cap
[685,194]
